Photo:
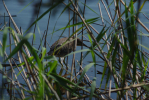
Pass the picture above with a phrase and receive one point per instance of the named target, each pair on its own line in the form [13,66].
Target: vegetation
[117,45]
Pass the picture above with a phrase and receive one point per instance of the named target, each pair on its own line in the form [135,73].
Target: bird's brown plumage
[66,48]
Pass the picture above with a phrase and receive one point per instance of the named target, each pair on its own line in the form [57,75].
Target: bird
[67,47]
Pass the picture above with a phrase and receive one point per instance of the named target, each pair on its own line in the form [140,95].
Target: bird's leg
[61,61]
[65,64]
[61,70]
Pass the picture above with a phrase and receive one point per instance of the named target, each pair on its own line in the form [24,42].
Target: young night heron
[66,48]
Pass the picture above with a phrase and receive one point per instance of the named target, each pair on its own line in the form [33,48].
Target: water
[25,18]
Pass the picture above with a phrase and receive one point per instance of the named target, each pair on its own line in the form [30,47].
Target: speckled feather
[64,49]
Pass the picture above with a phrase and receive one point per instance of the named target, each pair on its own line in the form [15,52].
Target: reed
[117,54]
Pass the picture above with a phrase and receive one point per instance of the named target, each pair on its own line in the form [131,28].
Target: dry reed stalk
[107,44]
[23,95]
[137,19]
[37,17]
[119,61]
[28,67]
[127,88]
[16,41]
[101,51]
[131,67]
[3,26]
[103,22]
